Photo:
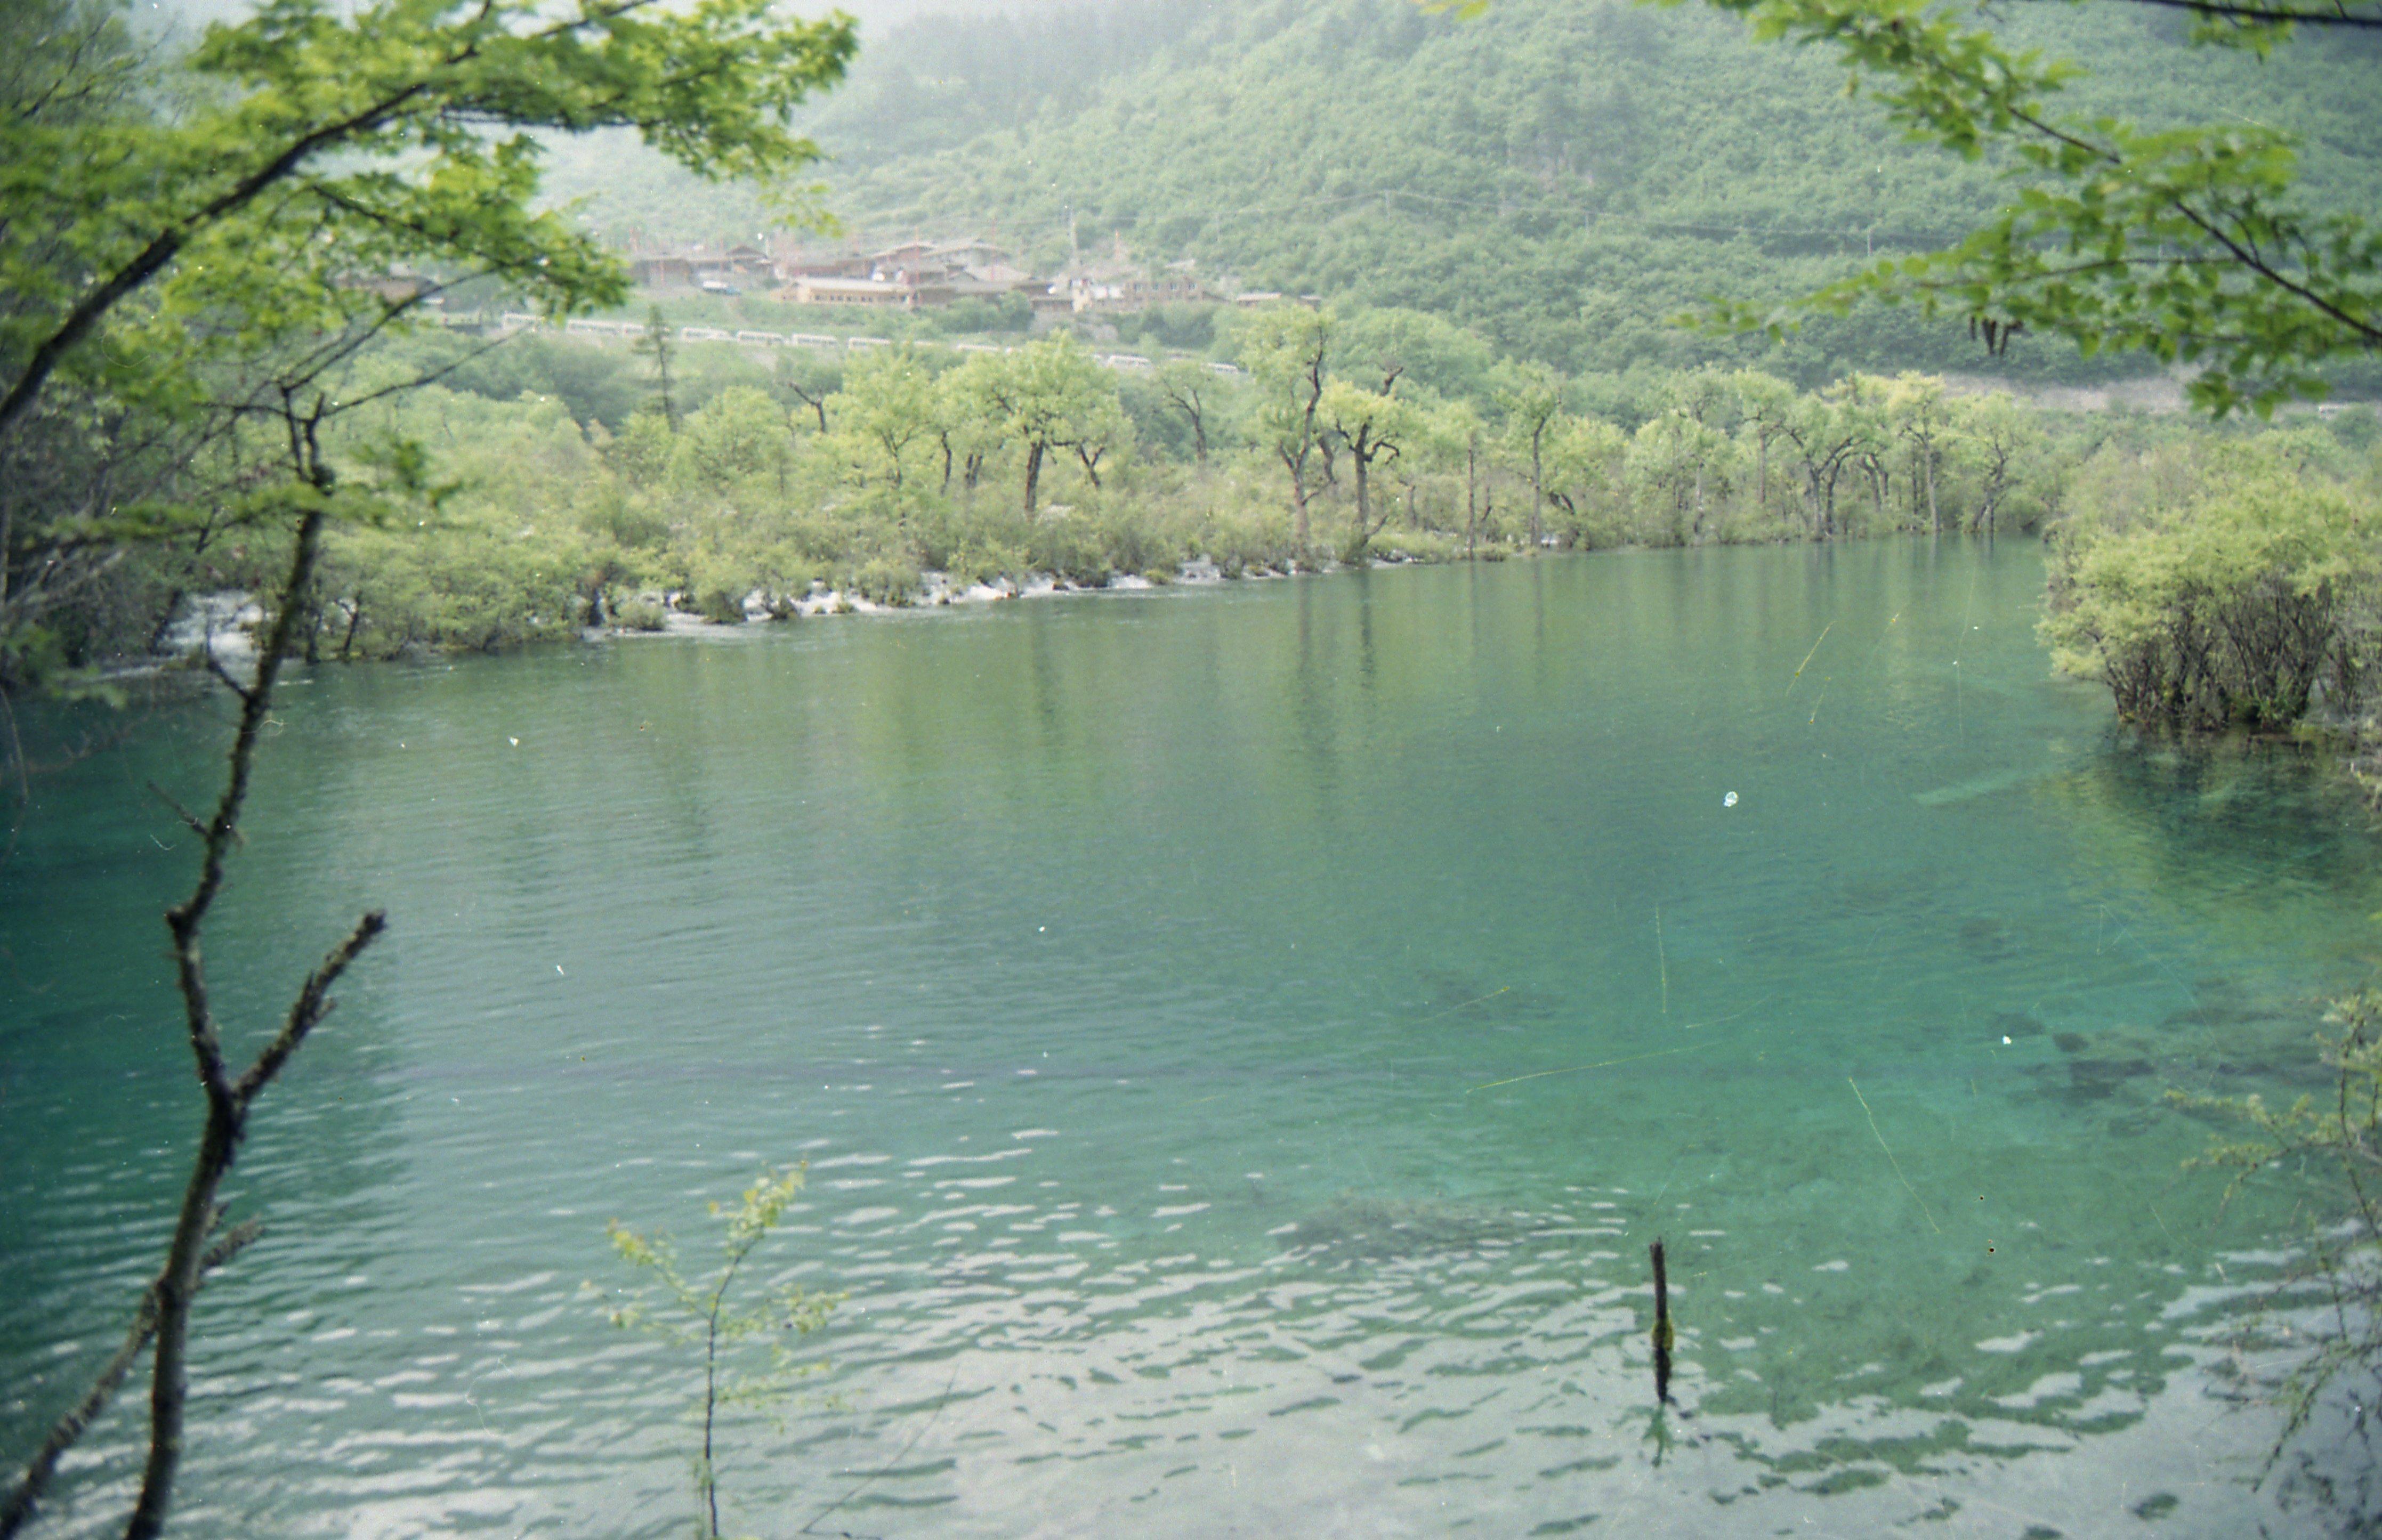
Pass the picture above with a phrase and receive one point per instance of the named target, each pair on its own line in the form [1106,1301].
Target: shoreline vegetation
[580,488]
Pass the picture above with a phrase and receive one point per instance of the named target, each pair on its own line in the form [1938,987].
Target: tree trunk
[1471,500]
[1033,475]
[1296,466]
[1364,503]
[1538,496]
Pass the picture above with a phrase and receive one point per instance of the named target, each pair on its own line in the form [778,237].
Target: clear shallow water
[1242,1039]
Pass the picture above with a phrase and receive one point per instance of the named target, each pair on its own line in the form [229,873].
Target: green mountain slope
[1560,175]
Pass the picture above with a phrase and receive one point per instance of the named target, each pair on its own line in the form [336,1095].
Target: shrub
[883,579]
[2234,597]
[1132,541]
[986,563]
[694,1313]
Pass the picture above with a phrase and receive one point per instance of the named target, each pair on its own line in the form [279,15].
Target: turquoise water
[1243,1040]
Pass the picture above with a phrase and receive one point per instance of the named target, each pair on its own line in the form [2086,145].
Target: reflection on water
[1244,1041]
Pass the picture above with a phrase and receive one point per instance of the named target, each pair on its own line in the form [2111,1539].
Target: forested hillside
[1564,177]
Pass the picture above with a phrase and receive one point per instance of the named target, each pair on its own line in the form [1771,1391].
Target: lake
[1244,1039]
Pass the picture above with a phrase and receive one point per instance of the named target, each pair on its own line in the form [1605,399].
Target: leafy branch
[381,119]
[2345,1129]
[695,1312]
[2189,244]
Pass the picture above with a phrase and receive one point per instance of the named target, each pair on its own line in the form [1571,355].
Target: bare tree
[1185,385]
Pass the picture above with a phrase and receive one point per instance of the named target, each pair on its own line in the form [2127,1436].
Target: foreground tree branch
[69,1428]
[229,1101]
[2194,244]
[382,117]
[164,1312]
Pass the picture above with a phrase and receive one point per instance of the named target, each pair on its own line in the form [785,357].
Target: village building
[1003,275]
[914,274]
[1120,287]
[396,287]
[937,259]
[917,273]
[665,266]
[790,260]
[847,291]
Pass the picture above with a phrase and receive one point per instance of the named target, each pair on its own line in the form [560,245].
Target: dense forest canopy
[1563,177]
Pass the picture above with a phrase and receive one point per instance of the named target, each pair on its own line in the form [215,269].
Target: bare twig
[343,347]
[306,1012]
[899,1454]
[189,819]
[223,675]
[2335,14]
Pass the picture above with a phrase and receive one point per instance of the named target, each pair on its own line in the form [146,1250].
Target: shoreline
[936,591]
[221,624]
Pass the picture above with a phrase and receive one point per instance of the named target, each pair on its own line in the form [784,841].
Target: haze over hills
[874,16]
[1562,176]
